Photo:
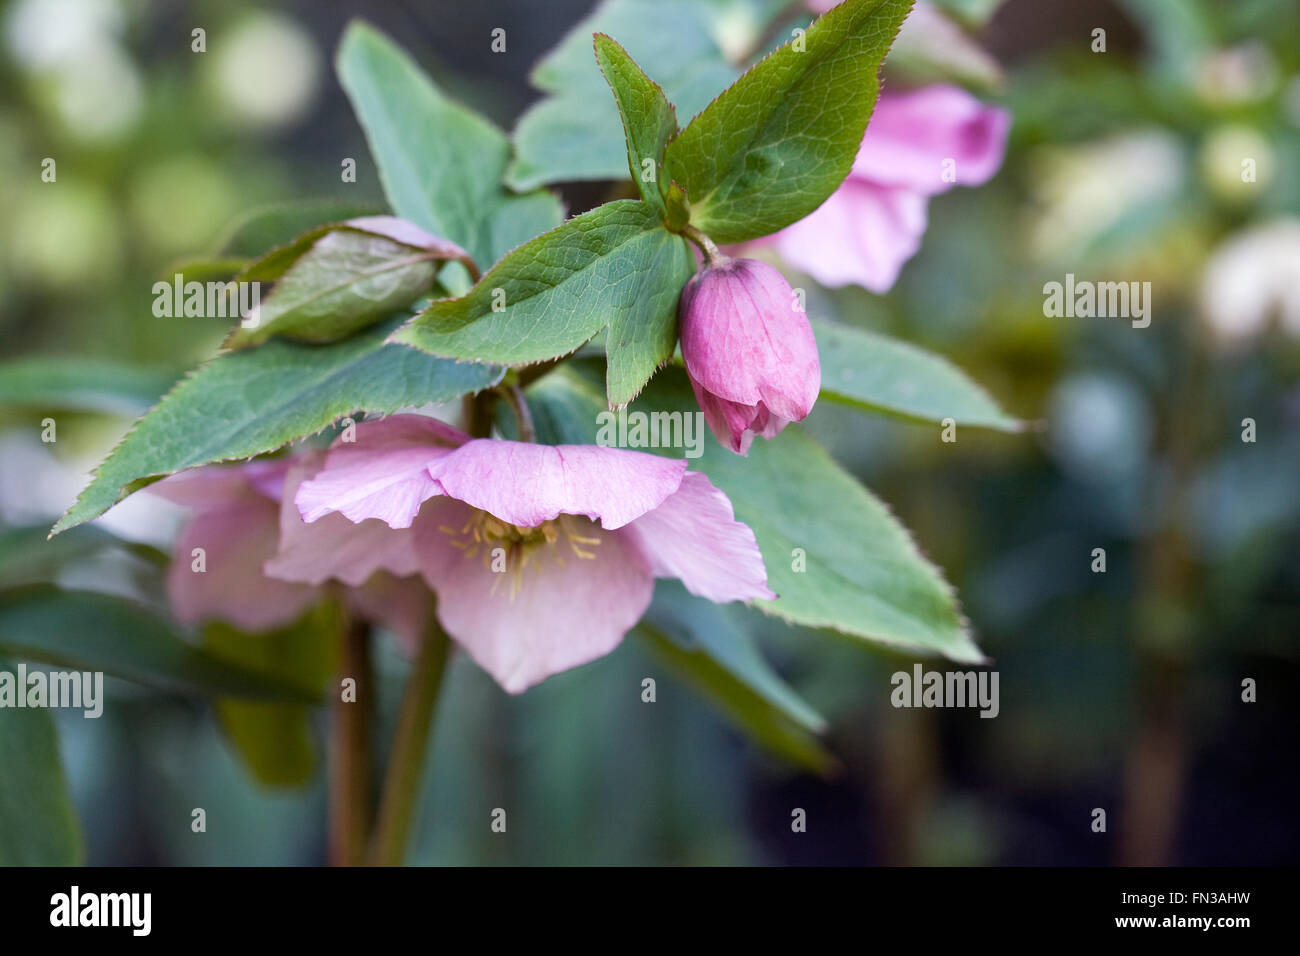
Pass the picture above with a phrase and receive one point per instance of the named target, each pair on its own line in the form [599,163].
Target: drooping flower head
[542,557]
[749,350]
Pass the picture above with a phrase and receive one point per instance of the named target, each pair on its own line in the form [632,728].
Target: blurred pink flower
[241,525]
[542,557]
[918,144]
[749,350]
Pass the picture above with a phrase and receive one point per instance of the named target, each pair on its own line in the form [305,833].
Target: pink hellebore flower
[542,557]
[241,524]
[749,350]
[918,144]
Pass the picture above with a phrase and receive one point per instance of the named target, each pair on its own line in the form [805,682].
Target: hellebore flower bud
[749,350]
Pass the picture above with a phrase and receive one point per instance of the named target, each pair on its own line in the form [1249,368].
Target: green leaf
[649,120]
[28,557]
[614,266]
[86,630]
[441,164]
[248,403]
[342,277]
[66,383]
[275,739]
[781,139]
[886,375]
[693,48]
[707,645]
[862,574]
[38,823]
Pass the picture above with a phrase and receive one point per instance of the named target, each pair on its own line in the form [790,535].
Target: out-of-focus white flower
[1237,75]
[46,34]
[266,70]
[736,32]
[63,237]
[1084,189]
[72,48]
[100,96]
[1100,427]
[1236,161]
[1251,278]
[180,202]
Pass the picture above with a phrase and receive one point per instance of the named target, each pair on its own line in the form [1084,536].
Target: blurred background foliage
[1119,690]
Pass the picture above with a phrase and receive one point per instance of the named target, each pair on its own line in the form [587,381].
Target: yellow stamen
[523,545]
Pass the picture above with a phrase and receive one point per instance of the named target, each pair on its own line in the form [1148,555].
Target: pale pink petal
[526,484]
[218,486]
[383,474]
[334,546]
[913,135]
[235,541]
[402,605]
[861,235]
[559,612]
[408,233]
[694,536]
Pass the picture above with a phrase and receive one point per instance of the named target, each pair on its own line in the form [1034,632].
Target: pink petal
[236,540]
[383,474]
[526,484]
[334,546]
[218,486]
[694,536]
[911,135]
[402,605]
[733,424]
[408,233]
[862,235]
[560,616]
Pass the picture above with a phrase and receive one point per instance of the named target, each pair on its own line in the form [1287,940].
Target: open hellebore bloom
[240,525]
[918,144]
[542,557]
[749,350]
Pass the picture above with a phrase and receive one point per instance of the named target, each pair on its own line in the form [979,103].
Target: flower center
[511,548]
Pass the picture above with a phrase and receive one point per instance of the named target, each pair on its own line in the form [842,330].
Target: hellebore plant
[516,536]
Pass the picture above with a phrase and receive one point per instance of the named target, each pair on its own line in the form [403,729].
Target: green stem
[514,396]
[711,254]
[410,745]
[350,762]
